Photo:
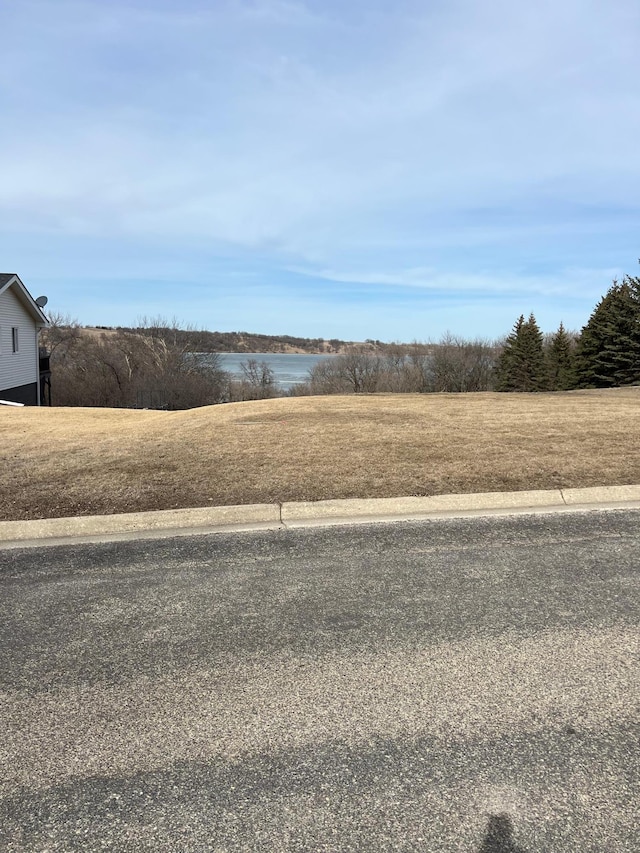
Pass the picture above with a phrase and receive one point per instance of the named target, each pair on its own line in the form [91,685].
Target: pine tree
[592,341]
[521,366]
[508,356]
[633,283]
[608,351]
[560,361]
[533,370]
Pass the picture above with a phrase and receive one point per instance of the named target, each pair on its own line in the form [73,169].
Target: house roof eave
[25,297]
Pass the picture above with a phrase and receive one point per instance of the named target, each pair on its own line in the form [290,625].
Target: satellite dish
[41,301]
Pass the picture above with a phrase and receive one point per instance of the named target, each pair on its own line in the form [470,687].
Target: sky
[329,168]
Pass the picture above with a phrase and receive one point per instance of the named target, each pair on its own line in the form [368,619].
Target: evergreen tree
[504,367]
[560,361]
[633,283]
[521,366]
[608,351]
[533,371]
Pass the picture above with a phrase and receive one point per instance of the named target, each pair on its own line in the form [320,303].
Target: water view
[288,368]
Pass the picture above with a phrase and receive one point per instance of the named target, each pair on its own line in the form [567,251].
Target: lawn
[64,461]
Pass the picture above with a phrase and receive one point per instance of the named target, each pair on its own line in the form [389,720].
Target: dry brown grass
[58,462]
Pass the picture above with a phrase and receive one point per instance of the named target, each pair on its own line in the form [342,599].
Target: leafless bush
[461,365]
[325,378]
[453,364]
[354,372]
[126,369]
[257,383]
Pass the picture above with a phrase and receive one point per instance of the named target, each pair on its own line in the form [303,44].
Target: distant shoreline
[249,342]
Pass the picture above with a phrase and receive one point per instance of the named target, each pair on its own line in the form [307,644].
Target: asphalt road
[462,685]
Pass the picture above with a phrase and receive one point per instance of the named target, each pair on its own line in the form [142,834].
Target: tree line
[159,365]
[152,367]
[453,364]
[605,354]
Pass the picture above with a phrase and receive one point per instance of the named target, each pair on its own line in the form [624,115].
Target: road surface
[462,685]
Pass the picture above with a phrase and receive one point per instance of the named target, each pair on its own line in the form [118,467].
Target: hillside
[204,341]
[58,462]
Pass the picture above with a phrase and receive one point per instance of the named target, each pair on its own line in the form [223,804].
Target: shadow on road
[499,836]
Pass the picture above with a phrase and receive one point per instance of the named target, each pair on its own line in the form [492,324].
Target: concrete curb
[140,524]
[183,522]
[416,506]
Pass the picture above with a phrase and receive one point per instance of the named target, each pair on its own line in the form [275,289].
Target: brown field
[59,462]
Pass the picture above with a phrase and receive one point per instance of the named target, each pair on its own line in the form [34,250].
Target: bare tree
[418,368]
[258,382]
[354,372]
[360,369]
[129,369]
[62,331]
[324,378]
[460,365]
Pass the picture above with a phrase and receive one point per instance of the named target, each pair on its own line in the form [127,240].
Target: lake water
[288,368]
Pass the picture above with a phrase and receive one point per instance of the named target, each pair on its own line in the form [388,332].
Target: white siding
[22,367]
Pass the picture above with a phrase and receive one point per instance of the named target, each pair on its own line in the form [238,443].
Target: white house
[21,319]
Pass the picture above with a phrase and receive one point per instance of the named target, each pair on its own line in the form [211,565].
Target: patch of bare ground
[60,462]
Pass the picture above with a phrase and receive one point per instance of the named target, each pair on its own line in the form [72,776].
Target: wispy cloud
[588,283]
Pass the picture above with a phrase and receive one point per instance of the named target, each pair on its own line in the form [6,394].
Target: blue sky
[346,169]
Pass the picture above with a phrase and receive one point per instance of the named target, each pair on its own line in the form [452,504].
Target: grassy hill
[58,461]
[204,341]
